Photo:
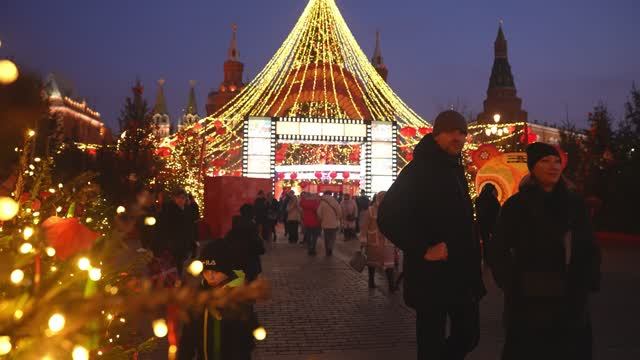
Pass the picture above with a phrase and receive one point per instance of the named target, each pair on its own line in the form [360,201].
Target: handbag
[358,261]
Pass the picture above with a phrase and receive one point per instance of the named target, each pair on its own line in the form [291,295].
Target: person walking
[177,230]
[310,221]
[349,217]
[260,213]
[363,204]
[273,208]
[487,209]
[379,250]
[546,260]
[427,212]
[329,213]
[246,243]
[294,215]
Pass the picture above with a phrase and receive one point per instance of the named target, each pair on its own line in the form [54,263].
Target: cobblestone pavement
[323,310]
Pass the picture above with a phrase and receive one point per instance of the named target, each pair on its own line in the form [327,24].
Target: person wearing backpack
[546,260]
[329,213]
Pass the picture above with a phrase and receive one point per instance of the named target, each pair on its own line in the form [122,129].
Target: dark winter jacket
[248,246]
[177,232]
[260,209]
[545,257]
[229,337]
[429,203]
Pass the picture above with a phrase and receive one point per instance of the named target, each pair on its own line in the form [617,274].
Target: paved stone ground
[323,310]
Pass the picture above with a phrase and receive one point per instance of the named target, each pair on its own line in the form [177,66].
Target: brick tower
[502,96]
[232,83]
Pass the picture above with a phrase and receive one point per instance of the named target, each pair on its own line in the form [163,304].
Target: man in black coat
[177,230]
[428,214]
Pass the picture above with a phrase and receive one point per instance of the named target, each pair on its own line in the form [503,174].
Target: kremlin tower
[502,104]
[232,83]
[159,114]
[377,61]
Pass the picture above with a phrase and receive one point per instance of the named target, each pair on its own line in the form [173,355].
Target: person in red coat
[309,204]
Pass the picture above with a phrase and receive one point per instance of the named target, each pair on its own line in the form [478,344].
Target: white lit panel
[382,150]
[259,146]
[381,183]
[356,130]
[288,128]
[259,127]
[259,164]
[310,128]
[382,167]
[381,131]
[332,129]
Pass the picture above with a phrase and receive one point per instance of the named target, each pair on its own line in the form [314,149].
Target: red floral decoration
[280,176]
[68,236]
[217,123]
[345,175]
[425,130]
[409,156]
[293,176]
[221,131]
[333,175]
[408,131]
[318,175]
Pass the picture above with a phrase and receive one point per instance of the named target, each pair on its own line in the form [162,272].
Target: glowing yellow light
[27,232]
[260,333]
[56,322]
[58,209]
[18,314]
[122,320]
[51,252]
[149,221]
[95,274]
[60,186]
[160,328]
[89,220]
[84,264]
[487,131]
[120,209]
[17,276]
[36,214]
[31,133]
[100,353]
[5,345]
[26,248]
[52,190]
[496,117]
[8,208]
[8,72]
[80,353]
[173,350]
[54,269]
[196,267]
[109,317]
[37,159]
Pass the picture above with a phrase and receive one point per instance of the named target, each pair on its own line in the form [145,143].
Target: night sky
[563,53]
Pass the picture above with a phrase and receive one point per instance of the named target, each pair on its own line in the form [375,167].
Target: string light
[8,208]
[51,252]
[17,276]
[160,328]
[120,209]
[80,353]
[26,248]
[56,322]
[18,314]
[95,274]
[5,345]
[149,221]
[84,264]
[196,267]
[27,232]
[260,333]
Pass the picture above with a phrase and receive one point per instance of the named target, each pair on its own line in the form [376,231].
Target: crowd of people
[539,246]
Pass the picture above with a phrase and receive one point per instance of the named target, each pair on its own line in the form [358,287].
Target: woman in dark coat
[546,260]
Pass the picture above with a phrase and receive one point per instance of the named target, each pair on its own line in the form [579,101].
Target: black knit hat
[218,256]
[537,151]
[448,121]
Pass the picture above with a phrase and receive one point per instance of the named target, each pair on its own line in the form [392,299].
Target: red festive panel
[223,197]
